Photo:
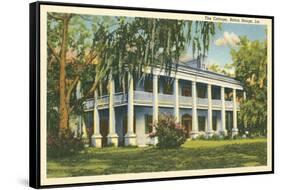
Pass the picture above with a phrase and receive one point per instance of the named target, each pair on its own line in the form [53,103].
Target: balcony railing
[142,97]
[166,99]
[216,103]
[103,100]
[120,98]
[185,101]
[228,104]
[202,102]
[146,98]
[89,104]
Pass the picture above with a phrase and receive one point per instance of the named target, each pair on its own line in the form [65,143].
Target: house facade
[204,102]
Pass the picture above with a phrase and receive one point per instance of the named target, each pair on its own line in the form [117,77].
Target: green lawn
[198,154]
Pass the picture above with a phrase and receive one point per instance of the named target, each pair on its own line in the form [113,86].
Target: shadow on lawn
[134,160]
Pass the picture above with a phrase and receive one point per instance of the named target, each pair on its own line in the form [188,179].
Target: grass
[197,154]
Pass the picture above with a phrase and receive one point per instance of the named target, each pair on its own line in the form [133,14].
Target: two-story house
[204,102]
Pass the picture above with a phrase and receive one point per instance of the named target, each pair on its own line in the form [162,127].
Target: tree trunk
[63,110]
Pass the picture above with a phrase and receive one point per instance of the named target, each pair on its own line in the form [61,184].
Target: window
[103,89]
[201,91]
[167,88]
[214,123]
[186,90]
[228,94]
[229,120]
[148,124]
[216,93]
[201,123]
[148,85]
[122,85]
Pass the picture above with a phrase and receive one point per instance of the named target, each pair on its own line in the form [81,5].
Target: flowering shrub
[169,133]
[63,146]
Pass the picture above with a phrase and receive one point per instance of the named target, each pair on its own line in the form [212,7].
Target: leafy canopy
[92,49]
[123,45]
[250,61]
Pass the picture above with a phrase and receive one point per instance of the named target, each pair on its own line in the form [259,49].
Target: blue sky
[225,38]
[223,41]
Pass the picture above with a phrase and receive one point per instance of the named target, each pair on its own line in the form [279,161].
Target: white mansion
[204,102]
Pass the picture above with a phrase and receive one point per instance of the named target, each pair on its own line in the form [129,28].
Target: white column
[244,95]
[155,106]
[155,98]
[194,132]
[112,137]
[209,131]
[85,138]
[234,129]
[96,137]
[223,120]
[80,132]
[130,137]
[176,94]
[81,123]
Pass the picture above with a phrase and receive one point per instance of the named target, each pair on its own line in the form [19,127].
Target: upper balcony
[164,100]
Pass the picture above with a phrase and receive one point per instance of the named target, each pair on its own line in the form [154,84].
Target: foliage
[250,61]
[193,155]
[92,49]
[227,69]
[52,121]
[217,137]
[169,133]
[144,43]
[63,146]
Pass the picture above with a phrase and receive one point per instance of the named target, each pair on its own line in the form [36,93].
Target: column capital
[155,76]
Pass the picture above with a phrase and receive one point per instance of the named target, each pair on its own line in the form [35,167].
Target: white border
[134,176]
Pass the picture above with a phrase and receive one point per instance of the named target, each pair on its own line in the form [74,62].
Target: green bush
[169,133]
[63,146]
[200,137]
[216,137]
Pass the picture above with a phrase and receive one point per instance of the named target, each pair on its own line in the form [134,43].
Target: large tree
[226,69]
[250,61]
[91,49]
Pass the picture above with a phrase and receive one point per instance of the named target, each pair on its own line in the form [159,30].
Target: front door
[104,131]
[187,124]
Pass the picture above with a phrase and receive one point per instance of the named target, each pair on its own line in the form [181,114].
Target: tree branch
[53,51]
[91,56]
[71,109]
[95,85]
[73,84]
[55,16]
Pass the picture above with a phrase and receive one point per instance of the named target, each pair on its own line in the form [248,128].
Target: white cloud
[230,39]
